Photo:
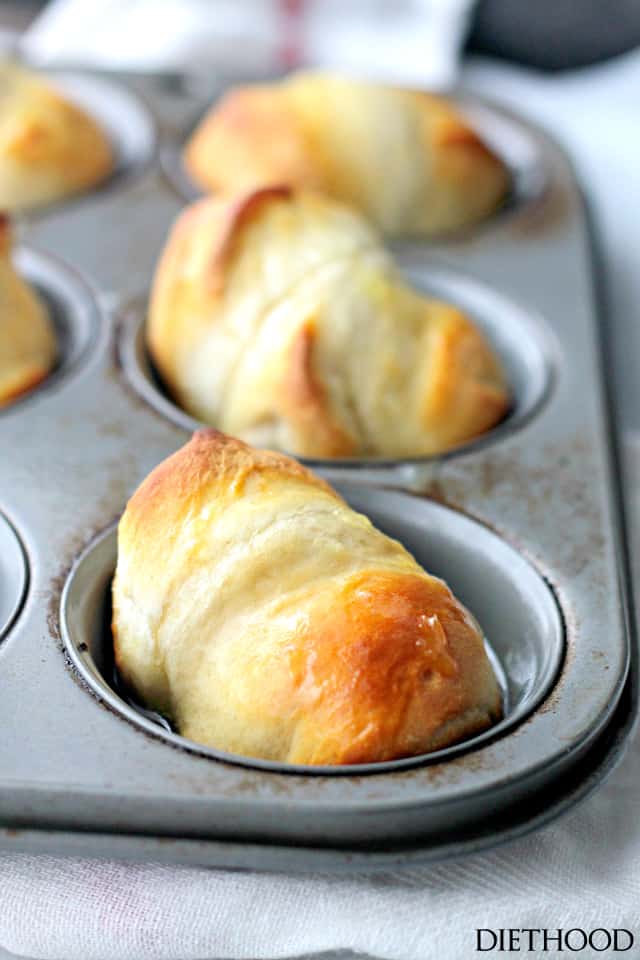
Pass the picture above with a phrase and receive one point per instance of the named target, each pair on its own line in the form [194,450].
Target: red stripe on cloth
[291,50]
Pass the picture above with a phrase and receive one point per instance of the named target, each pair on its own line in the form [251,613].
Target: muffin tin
[524,524]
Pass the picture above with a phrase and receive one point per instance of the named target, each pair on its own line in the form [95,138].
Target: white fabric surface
[581,871]
[405,40]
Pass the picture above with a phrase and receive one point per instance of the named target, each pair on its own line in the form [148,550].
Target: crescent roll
[404,158]
[265,617]
[278,317]
[49,147]
[27,339]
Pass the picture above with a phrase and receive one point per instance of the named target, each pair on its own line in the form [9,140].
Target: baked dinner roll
[27,338]
[49,147]
[278,317]
[405,158]
[266,618]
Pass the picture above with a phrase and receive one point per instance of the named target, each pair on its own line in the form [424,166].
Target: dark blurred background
[555,34]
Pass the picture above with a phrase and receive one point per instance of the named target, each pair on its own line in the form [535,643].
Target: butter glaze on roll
[27,338]
[406,159]
[266,618]
[49,147]
[279,318]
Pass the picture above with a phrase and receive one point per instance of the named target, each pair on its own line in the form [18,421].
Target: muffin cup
[524,636]
[72,310]
[522,341]
[502,130]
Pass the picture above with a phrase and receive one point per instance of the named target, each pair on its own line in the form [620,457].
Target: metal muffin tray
[525,525]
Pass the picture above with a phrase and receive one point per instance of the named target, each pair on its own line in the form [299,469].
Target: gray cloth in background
[555,34]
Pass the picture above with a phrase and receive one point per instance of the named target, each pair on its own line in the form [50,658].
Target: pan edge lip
[268,855]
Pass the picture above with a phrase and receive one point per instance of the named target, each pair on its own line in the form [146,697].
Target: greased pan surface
[78,774]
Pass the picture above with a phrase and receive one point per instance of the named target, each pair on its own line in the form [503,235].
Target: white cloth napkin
[404,40]
[582,871]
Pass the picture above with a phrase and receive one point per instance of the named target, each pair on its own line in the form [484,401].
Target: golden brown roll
[27,338]
[406,159]
[49,147]
[278,317]
[267,618]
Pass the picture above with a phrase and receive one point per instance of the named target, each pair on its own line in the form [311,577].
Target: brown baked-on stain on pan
[28,347]
[406,159]
[266,618]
